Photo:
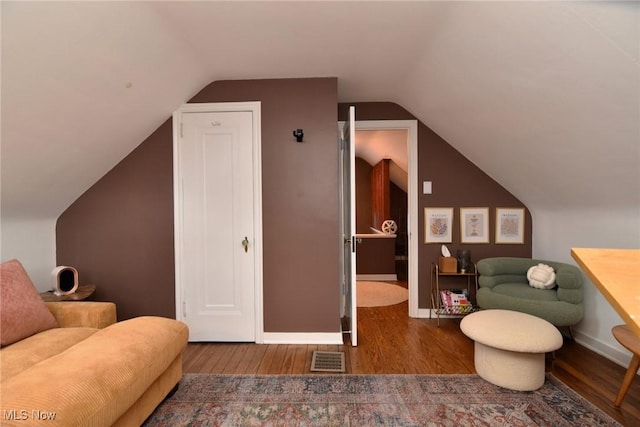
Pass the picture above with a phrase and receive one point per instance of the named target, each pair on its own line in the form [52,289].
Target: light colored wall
[557,231]
[33,243]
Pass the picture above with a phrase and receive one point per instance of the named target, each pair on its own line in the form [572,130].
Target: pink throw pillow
[22,311]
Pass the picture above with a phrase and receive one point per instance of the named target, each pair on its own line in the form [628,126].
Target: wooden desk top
[616,273]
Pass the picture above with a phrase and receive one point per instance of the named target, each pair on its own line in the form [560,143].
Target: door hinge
[184,309]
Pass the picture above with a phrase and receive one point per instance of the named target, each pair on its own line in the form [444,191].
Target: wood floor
[390,342]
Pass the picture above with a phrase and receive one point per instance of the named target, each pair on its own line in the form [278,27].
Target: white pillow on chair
[541,276]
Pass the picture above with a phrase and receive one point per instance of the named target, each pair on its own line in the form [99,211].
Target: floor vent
[327,361]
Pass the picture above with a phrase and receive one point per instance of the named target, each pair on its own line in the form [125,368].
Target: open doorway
[386,159]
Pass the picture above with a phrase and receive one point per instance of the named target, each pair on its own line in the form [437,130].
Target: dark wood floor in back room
[390,342]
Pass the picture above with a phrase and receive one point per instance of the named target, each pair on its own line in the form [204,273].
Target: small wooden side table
[83,292]
[631,342]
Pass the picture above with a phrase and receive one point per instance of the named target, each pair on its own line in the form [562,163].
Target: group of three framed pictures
[474,225]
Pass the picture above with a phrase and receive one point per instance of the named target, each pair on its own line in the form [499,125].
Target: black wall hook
[298,134]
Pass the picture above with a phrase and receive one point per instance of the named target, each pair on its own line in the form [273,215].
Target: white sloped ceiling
[543,96]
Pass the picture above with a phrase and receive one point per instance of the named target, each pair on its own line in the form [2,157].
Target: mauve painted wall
[119,234]
[300,198]
[456,183]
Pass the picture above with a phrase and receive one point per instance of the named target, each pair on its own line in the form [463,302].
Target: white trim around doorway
[411,126]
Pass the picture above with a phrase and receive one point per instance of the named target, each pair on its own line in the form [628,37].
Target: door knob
[245,243]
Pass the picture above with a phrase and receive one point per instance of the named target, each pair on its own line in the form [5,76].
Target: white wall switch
[426,187]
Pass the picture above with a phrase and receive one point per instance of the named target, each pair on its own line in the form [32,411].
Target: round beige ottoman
[510,347]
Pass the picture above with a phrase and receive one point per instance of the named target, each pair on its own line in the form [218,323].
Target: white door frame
[254,107]
[411,126]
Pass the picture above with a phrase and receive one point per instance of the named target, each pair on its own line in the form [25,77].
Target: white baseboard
[302,338]
[424,313]
[377,277]
[617,356]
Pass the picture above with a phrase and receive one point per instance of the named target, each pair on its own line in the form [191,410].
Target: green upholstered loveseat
[503,284]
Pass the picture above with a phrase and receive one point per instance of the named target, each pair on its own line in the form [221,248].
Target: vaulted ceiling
[373,146]
[543,96]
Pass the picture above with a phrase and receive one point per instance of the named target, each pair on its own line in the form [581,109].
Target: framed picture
[474,225]
[437,225]
[510,225]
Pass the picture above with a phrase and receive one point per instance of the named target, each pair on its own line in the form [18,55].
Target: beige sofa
[88,370]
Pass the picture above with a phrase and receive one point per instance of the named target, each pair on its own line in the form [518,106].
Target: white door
[217,232]
[348,203]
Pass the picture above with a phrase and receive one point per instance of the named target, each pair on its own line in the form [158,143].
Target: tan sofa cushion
[25,353]
[90,314]
[94,382]
[22,311]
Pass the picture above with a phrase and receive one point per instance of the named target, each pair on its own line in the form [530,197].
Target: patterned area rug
[379,294]
[370,400]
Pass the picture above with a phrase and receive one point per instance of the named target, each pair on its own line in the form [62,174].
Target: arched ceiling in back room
[375,145]
[543,96]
